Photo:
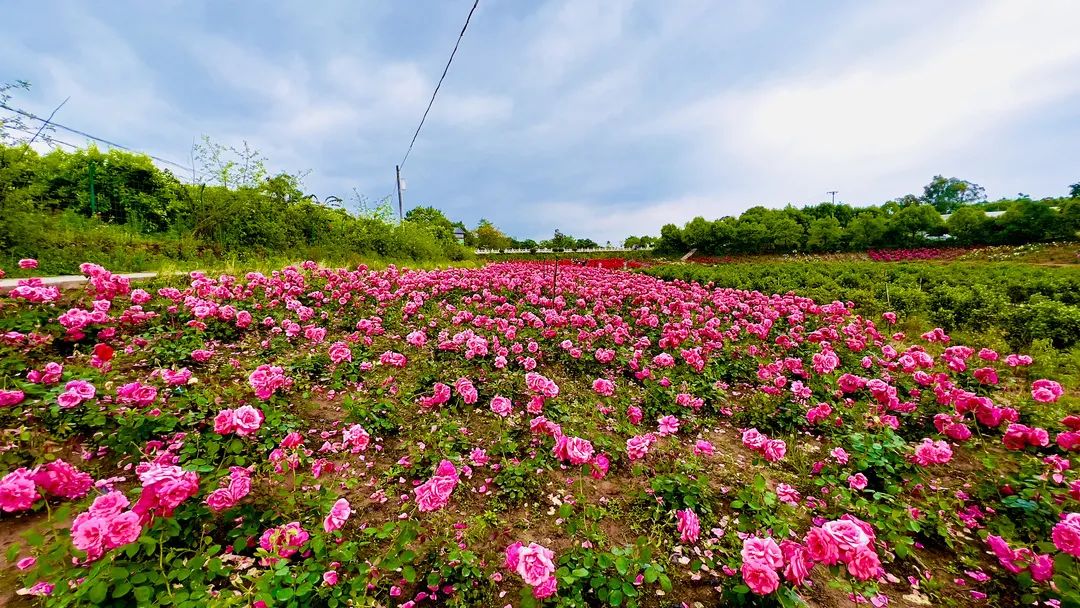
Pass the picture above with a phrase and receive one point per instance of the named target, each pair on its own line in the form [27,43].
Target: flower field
[499,436]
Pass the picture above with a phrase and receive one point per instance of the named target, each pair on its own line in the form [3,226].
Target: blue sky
[601,118]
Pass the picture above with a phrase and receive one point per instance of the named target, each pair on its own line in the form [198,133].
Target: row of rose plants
[504,435]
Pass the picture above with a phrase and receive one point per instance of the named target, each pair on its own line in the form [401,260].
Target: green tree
[560,241]
[1026,221]
[432,220]
[490,237]
[1068,224]
[866,231]
[970,226]
[697,234]
[1074,190]
[912,224]
[243,167]
[671,240]
[824,234]
[631,241]
[784,233]
[948,194]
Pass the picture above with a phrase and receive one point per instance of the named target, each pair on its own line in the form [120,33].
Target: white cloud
[473,110]
[873,114]
[570,33]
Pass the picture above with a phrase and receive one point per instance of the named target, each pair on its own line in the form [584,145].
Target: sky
[599,118]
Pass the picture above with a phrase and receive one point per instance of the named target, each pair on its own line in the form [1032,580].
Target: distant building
[459,235]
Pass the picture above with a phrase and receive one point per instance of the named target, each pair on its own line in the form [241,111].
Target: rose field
[514,436]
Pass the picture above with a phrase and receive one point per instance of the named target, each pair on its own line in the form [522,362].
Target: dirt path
[70,281]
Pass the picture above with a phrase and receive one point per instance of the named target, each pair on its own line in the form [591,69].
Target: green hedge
[1024,302]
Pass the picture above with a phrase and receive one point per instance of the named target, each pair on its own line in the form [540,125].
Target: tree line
[59,202]
[950,211]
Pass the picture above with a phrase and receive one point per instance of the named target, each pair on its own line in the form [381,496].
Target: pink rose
[223,422]
[603,387]
[1066,534]
[761,579]
[821,547]
[847,535]
[689,526]
[501,406]
[703,448]
[775,449]
[763,550]
[1042,568]
[1046,391]
[637,447]
[247,420]
[338,515]
[109,505]
[578,450]
[798,562]
[535,564]
[340,351]
[600,466]
[863,563]
[753,439]
[220,499]
[668,425]
[88,534]
[857,481]
[17,491]
[512,556]
[123,529]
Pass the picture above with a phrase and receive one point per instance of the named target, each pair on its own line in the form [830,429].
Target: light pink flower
[338,515]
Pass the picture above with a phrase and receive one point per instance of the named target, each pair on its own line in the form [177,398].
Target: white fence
[549,250]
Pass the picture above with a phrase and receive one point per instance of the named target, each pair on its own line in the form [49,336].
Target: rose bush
[327,436]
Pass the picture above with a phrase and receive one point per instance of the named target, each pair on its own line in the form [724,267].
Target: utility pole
[833,193]
[400,207]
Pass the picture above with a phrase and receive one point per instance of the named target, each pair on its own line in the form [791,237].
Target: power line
[93,137]
[49,139]
[45,124]
[436,92]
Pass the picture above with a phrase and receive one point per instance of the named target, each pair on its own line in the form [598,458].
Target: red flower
[103,352]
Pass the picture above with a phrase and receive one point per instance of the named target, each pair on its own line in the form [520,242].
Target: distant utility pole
[832,192]
[400,207]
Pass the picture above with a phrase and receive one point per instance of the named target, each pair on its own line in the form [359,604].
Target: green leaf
[143,595]
[409,574]
[622,565]
[98,592]
[283,594]
[581,572]
[433,579]
[616,597]
[121,589]
[665,583]
[651,575]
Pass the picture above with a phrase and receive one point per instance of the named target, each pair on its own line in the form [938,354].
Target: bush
[1025,302]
